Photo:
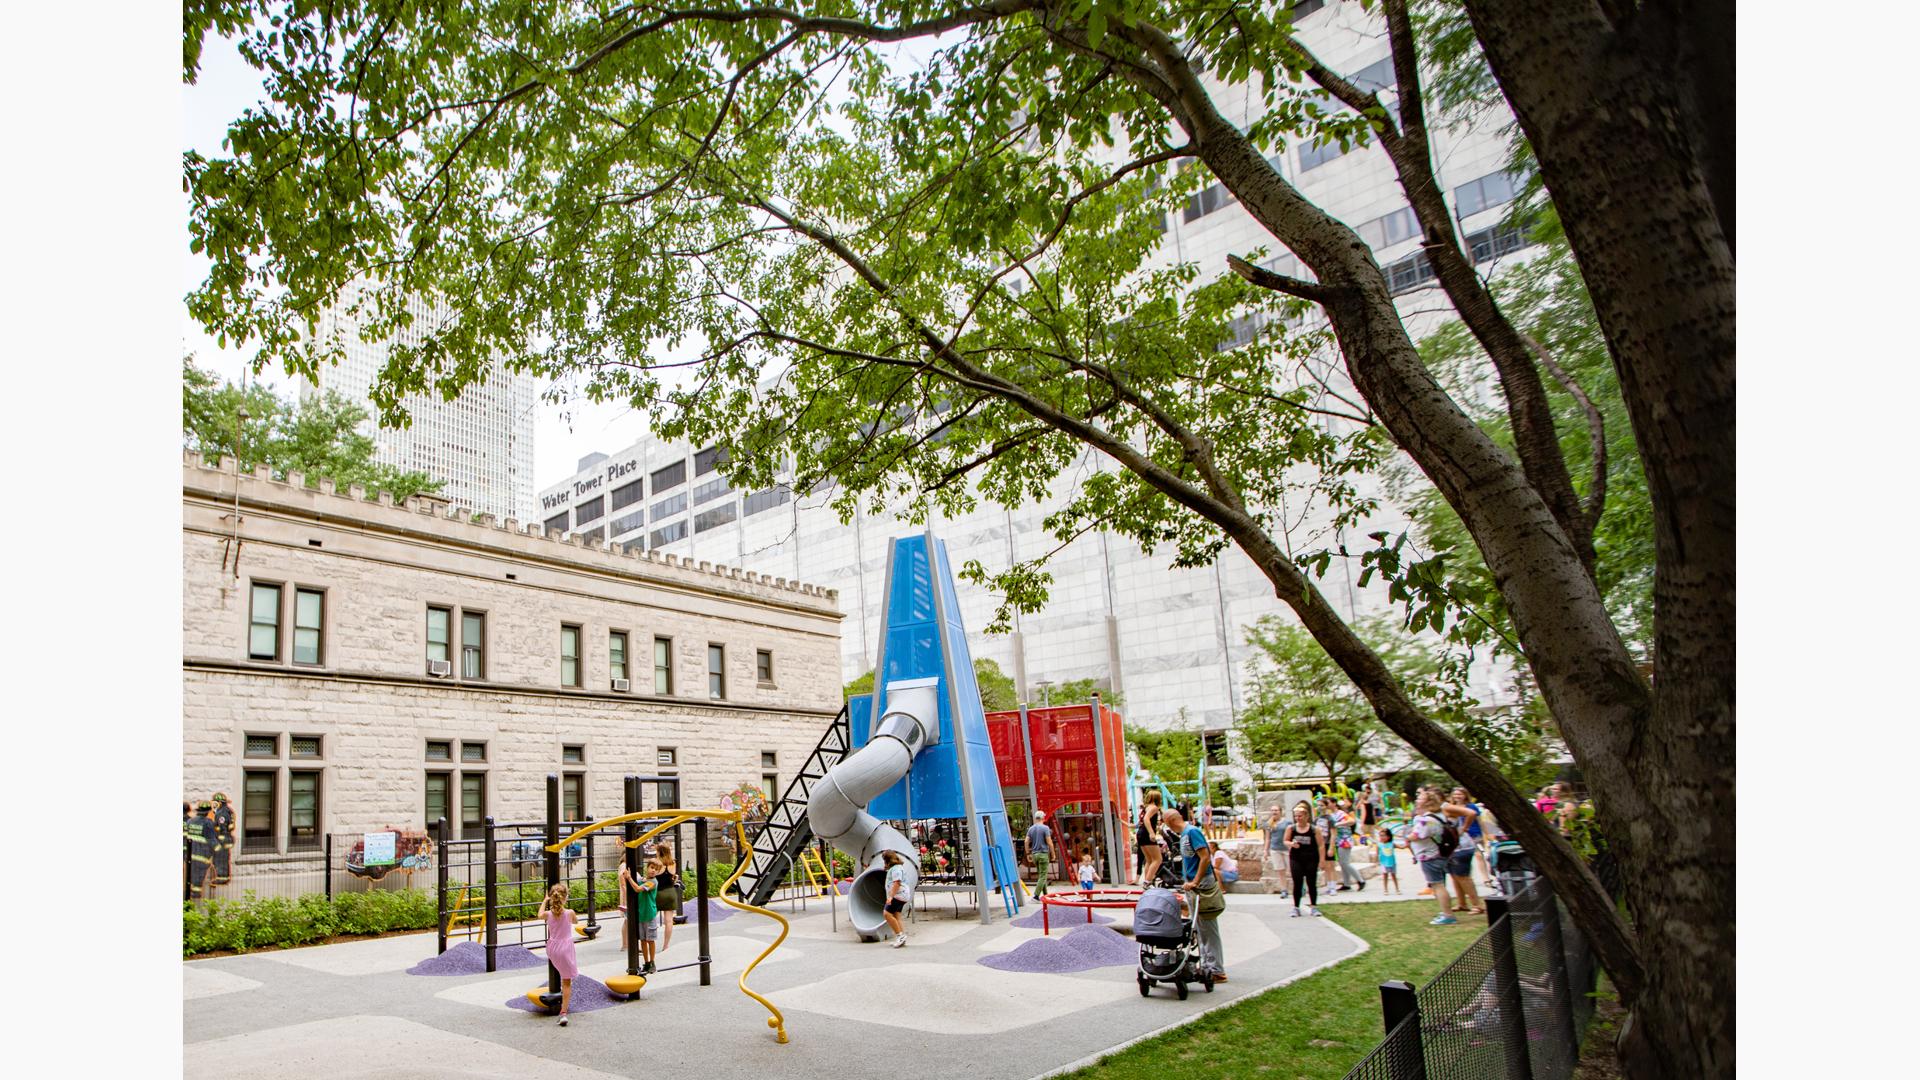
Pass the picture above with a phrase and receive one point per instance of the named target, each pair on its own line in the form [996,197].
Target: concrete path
[853,1010]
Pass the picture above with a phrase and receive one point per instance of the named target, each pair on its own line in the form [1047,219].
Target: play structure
[1087,899]
[1072,769]
[908,765]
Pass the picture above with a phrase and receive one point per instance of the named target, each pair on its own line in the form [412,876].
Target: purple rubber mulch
[1062,916]
[1082,949]
[716,911]
[588,995]
[470,958]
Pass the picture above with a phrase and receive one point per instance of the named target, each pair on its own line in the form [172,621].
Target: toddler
[1389,862]
[1087,873]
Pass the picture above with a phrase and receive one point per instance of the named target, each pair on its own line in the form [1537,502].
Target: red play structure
[1067,752]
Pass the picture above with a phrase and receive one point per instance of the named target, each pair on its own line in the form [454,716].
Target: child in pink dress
[559,919]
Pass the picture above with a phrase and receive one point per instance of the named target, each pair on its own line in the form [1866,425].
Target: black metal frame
[776,845]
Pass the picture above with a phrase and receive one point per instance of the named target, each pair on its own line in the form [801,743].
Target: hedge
[254,922]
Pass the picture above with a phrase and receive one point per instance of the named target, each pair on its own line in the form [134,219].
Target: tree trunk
[1635,190]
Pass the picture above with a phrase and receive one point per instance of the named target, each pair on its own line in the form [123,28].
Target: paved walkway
[853,1010]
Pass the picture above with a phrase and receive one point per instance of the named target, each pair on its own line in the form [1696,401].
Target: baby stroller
[1169,945]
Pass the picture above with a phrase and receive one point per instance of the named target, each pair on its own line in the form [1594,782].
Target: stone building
[350,664]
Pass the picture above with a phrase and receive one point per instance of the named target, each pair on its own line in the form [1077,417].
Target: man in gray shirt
[1040,850]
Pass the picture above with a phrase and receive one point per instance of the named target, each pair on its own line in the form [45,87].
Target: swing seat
[543,999]
[626,985]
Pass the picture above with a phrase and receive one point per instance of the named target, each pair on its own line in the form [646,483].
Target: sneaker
[646,968]
[1314,911]
[1442,920]
[1296,913]
[563,1019]
[1363,886]
[900,941]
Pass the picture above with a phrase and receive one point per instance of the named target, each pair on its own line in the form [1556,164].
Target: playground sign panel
[378,848]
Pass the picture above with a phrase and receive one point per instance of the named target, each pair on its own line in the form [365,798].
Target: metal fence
[327,866]
[1513,1006]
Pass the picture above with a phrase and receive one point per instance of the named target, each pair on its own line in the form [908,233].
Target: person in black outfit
[1303,858]
[223,840]
[201,838]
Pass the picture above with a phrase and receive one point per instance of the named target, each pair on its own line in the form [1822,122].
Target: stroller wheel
[1180,990]
[1207,986]
[1145,986]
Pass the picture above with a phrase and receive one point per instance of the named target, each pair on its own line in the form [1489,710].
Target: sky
[563,432]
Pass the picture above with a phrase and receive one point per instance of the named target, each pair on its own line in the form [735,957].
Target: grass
[1316,1028]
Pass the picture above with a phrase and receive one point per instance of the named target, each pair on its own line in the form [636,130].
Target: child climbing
[559,919]
[643,910]
[897,895]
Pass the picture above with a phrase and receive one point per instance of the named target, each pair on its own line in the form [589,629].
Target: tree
[1170,755]
[320,436]
[582,185]
[1303,708]
[1081,691]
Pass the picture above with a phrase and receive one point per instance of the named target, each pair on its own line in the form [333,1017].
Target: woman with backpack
[1433,841]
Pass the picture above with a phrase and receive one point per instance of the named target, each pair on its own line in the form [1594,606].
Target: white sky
[227,87]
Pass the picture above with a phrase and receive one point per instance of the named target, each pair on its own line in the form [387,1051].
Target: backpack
[1449,838]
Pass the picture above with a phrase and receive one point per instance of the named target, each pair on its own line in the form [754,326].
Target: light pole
[1045,686]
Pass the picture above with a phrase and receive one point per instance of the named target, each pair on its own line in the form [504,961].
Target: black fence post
[593,907]
[1399,1002]
[492,907]
[632,858]
[700,869]
[327,870]
[440,883]
[1560,1004]
[552,864]
[1506,988]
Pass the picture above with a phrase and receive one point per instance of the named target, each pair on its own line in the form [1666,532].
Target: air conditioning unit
[621,685]
[439,669]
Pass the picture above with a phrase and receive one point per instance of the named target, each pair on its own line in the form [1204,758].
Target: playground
[851,1009]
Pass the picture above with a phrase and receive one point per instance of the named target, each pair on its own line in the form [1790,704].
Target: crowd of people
[206,846]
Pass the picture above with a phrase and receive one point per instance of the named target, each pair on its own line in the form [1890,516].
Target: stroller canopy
[1157,914]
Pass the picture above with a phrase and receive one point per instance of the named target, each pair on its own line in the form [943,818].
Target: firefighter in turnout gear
[202,835]
[222,840]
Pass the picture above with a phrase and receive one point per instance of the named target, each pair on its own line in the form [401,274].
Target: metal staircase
[780,841]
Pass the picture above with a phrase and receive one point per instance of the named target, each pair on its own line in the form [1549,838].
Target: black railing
[1513,1006]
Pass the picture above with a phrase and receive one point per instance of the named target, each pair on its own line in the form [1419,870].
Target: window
[473,752]
[573,754]
[770,783]
[1206,202]
[627,524]
[1495,242]
[617,654]
[557,523]
[716,671]
[1488,191]
[569,656]
[1390,229]
[596,534]
[769,759]
[705,461]
[670,477]
[667,534]
[473,643]
[1242,330]
[306,746]
[263,626]
[1410,273]
[303,811]
[307,606]
[668,507]
[1216,743]
[572,795]
[256,808]
[668,793]
[438,784]
[473,800]
[716,517]
[1302,8]
[711,490]
[1377,76]
[667,755]
[763,666]
[440,750]
[439,624]
[627,494]
[777,495]
[662,665]
[589,510]
[267,746]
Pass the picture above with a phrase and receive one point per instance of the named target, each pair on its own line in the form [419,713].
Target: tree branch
[1596,429]
[1267,279]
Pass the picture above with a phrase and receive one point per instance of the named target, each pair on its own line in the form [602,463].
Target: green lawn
[1316,1028]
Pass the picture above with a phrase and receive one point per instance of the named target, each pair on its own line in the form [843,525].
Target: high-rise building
[480,443]
[1172,640]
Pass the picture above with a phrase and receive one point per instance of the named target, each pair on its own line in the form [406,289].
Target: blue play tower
[928,756]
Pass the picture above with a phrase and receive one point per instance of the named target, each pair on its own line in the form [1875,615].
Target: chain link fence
[1513,1006]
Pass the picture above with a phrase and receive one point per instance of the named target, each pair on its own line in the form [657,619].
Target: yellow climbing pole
[736,817]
